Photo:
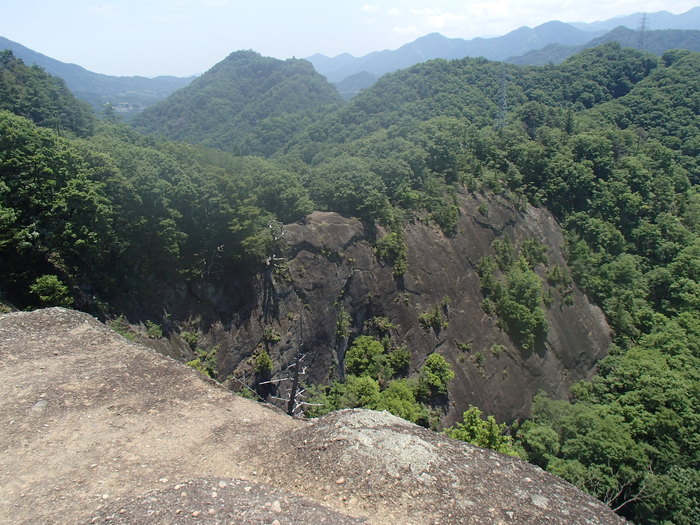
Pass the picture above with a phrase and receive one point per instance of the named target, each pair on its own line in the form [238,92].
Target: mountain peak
[236,97]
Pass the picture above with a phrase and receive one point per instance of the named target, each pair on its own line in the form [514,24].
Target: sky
[187,37]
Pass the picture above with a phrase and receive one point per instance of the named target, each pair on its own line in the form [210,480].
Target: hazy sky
[185,37]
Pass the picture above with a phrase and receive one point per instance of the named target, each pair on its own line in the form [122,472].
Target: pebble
[340,481]
[163,480]
[276,522]
[196,513]
[40,405]
[276,507]
[223,484]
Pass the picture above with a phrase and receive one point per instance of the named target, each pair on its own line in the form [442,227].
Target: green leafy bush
[434,377]
[153,330]
[433,319]
[51,291]
[481,432]
[263,363]
[392,248]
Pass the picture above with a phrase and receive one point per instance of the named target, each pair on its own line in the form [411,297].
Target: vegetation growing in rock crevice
[377,380]
[513,292]
[205,362]
[392,249]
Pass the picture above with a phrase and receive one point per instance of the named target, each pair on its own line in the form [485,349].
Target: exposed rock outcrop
[330,269]
[99,429]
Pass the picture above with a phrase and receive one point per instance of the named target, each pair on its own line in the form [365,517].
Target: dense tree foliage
[246,104]
[485,433]
[31,93]
[377,379]
[106,213]
[608,141]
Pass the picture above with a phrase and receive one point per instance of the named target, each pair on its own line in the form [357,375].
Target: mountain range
[549,42]
[655,41]
[350,74]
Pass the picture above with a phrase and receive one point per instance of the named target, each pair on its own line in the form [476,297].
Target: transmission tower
[642,44]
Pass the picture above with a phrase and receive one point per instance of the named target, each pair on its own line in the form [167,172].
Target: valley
[463,237]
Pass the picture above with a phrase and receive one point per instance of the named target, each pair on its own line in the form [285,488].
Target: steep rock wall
[329,266]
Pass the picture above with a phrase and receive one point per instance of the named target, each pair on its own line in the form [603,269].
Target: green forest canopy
[608,141]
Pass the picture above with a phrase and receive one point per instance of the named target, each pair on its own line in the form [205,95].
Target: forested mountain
[246,104]
[550,42]
[606,142]
[32,93]
[657,42]
[428,47]
[128,95]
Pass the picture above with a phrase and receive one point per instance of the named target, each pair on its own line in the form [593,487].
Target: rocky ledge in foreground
[99,429]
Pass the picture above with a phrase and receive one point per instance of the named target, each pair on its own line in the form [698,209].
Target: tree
[51,291]
[365,357]
[435,375]
[482,433]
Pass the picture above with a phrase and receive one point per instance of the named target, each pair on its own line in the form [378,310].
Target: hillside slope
[246,103]
[129,95]
[97,429]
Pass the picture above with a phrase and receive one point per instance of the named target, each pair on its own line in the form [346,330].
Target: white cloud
[370,8]
[394,12]
[439,19]
[407,30]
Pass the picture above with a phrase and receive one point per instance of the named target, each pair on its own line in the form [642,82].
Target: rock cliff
[98,429]
[329,268]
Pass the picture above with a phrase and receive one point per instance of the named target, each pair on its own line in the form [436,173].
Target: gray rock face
[331,268]
[97,429]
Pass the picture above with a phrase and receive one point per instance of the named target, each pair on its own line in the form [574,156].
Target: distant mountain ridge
[657,42]
[128,95]
[436,45]
[659,20]
[553,35]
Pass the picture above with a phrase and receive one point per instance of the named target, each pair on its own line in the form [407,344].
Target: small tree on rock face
[392,249]
[365,357]
[434,377]
[263,363]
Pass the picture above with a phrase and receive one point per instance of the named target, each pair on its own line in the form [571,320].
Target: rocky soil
[97,429]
